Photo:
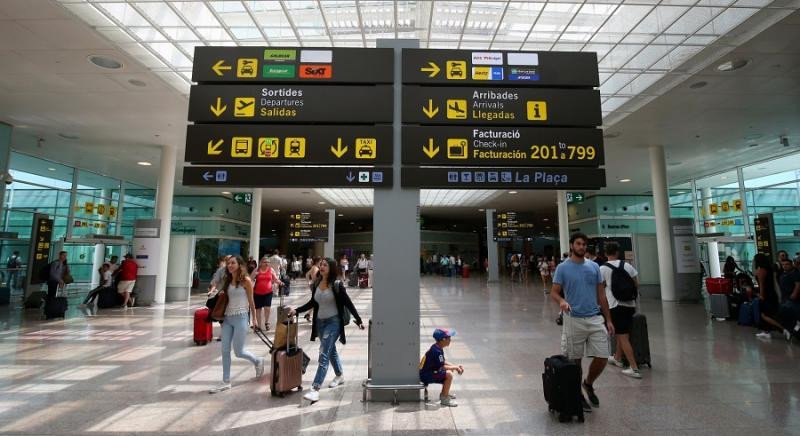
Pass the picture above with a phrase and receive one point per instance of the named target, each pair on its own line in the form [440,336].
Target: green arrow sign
[243,198]
[575,197]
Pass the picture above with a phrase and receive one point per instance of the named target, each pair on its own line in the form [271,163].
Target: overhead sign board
[502,178]
[501,106]
[41,237]
[288,177]
[575,197]
[764,225]
[510,225]
[308,227]
[290,104]
[513,146]
[519,69]
[292,64]
[263,144]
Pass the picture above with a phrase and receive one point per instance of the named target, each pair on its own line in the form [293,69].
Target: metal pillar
[394,344]
[658,180]
[491,249]
[5,162]
[255,222]
[563,223]
[714,269]
[743,196]
[164,194]
[330,243]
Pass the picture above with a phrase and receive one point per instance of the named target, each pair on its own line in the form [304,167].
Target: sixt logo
[310,71]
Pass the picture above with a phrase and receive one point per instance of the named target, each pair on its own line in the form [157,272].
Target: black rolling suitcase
[352,279]
[640,340]
[562,387]
[55,307]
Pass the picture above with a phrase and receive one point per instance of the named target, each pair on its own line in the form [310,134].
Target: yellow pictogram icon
[215,148]
[537,110]
[430,111]
[457,109]
[219,109]
[220,67]
[366,148]
[430,150]
[268,148]
[294,148]
[241,146]
[247,67]
[432,69]
[338,151]
[244,107]
[456,148]
[456,70]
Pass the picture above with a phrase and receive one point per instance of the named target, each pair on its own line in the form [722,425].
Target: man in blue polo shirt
[585,331]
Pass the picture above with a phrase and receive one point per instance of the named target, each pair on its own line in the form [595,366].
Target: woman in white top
[239,288]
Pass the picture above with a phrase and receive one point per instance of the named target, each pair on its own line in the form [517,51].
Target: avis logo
[316,71]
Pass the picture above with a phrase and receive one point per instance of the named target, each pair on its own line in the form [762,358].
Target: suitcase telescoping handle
[292,320]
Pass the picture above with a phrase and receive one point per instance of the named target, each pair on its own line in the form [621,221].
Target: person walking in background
[127,279]
[622,311]
[264,279]
[251,265]
[56,272]
[239,288]
[13,265]
[587,320]
[544,272]
[329,300]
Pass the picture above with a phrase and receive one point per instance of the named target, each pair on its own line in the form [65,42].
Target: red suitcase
[719,285]
[363,280]
[203,327]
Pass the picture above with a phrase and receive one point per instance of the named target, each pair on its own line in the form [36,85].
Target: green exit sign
[575,197]
[243,198]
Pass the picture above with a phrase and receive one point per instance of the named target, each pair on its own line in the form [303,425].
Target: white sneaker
[448,402]
[797,327]
[787,334]
[260,367]
[630,372]
[615,362]
[338,380]
[763,335]
[312,395]
[220,388]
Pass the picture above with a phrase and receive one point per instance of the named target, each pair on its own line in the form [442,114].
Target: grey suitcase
[719,306]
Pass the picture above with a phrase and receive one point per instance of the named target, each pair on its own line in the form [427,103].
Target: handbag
[67,279]
[218,313]
[346,316]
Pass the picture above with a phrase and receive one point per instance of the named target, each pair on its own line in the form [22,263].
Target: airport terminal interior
[400,217]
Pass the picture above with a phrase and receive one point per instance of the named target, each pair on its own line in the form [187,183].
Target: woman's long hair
[730,265]
[762,261]
[333,273]
[242,273]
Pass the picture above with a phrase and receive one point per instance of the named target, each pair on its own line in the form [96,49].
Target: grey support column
[491,249]
[164,194]
[330,244]
[255,222]
[5,161]
[658,179]
[563,223]
[73,201]
[394,342]
[743,197]
[120,207]
[714,269]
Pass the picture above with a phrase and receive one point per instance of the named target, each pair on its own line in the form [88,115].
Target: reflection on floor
[138,372]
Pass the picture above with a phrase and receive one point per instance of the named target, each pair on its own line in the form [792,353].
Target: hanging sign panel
[470,67]
[516,146]
[292,64]
[501,106]
[290,104]
[501,178]
[288,144]
[510,225]
[288,177]
[308,227]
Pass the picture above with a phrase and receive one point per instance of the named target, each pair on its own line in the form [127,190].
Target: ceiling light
[732,65]
[69,136]
[545,219]
[225,193]
[341,214]
[624,180]
[51,169]
[104,62]
[144,163]
[137,82]
[273,230]
[276,210]
[481,210]
[320,202]
[513,192]
[698,85]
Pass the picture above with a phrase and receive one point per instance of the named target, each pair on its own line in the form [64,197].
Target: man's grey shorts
[584,337]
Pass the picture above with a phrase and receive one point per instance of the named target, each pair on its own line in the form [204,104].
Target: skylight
[637,41]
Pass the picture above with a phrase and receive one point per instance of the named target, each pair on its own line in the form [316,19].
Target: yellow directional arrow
[219,67]
[433,69]
[430,111]
[219,109]
[430,149]
[214,149]
[338,151]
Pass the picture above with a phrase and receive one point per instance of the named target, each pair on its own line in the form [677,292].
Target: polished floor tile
[138,372]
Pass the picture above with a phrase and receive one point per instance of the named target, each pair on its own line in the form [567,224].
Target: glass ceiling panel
[637,41]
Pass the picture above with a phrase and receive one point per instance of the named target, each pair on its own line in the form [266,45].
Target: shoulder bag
[218,313]
[346,316]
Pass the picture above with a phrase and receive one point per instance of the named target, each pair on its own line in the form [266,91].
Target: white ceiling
[48,87]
